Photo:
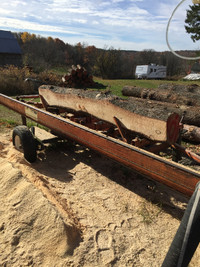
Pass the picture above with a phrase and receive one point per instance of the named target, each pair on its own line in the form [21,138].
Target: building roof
[8,43]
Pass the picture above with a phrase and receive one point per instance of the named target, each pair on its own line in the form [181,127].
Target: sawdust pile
[73,207]
[32,231]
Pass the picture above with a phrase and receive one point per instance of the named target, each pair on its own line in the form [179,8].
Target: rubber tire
[173,254]
[27,141]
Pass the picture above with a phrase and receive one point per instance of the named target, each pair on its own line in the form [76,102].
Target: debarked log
[108,108]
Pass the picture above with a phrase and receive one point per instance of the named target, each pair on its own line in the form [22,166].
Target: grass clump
[149,212]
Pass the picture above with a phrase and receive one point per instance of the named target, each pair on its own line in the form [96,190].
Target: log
[78,77]
[169,95]
[190,115]
[191,133]
[107,107]
[160,110]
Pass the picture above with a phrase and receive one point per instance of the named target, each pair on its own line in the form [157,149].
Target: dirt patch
[73,207]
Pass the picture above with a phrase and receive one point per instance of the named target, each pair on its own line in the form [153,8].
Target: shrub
[13,80]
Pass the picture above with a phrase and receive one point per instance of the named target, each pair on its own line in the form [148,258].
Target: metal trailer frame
[172,174]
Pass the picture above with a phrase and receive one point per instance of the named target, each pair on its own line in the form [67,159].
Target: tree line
[41,53]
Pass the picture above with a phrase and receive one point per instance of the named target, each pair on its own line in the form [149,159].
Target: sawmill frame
[172,174]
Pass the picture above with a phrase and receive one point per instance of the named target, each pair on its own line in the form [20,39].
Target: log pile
[78,77]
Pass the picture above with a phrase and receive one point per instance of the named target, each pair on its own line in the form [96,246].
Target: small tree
[148,56]
[193,22]
[108,63]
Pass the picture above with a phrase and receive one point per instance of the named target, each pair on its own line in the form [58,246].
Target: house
[10,51]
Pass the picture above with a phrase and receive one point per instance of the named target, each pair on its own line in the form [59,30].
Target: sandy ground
[74,207]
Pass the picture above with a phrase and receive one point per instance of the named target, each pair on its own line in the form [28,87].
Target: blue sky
[121,24]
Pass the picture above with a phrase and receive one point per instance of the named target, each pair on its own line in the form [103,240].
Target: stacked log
[78,77]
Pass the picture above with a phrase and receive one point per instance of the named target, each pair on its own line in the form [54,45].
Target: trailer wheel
[24,141]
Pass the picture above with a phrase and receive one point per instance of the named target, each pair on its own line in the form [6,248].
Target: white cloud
[4,11]
[133,24]
[15,3]
[24,25]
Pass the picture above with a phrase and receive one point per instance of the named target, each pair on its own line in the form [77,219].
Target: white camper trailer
[151,71]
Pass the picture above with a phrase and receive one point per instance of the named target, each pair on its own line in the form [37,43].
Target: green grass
[149,211]
[9,116]
[10,119]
